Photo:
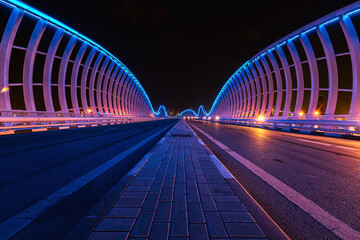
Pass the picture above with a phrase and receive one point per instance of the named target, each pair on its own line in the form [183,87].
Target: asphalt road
[323,169]
[35,165]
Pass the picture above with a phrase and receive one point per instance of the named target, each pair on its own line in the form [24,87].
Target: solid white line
[347,148]
[338,227]
[326,144]
[320,143]
[18,222]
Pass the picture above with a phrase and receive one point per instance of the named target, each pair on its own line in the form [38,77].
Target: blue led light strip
[36,13]
[201,108]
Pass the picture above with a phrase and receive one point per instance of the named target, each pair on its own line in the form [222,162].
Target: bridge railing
[345,124]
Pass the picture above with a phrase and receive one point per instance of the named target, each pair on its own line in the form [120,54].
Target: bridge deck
[178,193]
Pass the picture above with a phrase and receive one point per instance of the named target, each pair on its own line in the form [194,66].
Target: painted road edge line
[264,220]
[333,224]
[18,222]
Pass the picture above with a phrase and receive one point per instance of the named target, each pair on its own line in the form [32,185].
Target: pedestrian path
[179,193]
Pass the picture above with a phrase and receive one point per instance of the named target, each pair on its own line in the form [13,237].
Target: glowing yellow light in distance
[4,89]
[351,128]
[217,118]
[261,118]
[89,110]
[301,113]
[204,118]
[209,118]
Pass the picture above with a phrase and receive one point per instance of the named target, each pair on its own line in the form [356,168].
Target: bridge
[84,154]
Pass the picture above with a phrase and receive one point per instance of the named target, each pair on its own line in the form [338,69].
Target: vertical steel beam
[109,90]
[114,92]
[314,73]
[101,93]
[258,89]
[28,68]
[74,77]
[270,85]
[278,83]
[253,93]
[5,53]
[119,91]
[62,74]
[332,69]
[287,74]
[84,77]
[99,85]
[48,67]
[354,47]
[264,88]
[92,81]
[122,96]
[247,93]
[299,77]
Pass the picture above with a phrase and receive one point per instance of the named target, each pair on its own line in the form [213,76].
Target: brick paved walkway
[178,194]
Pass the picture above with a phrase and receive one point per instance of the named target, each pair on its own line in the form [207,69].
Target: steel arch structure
[48,69]
[312,73]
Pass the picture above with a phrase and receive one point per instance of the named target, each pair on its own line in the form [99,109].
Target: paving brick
[108,235]
[204,189]
[115,224]
[123,212]
[192,195]
[221,198]
[179,225]
[195,213]
[221,189]
[156,188]
[163,212]
[166,194]
[230,207]
[208,203]
[159,231]
[141,183]
[150,202]
[180,188]
[236,217]
[243,230]
[135,188]
[198,231]
[215,225]
[142,224]
[129,202]
[128,194]
[179,203]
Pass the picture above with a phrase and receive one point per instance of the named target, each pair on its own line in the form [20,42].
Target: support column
[332,70]
[5,53]
[48,67]
[354,47]
[28,68]
[84,77]
[278,83]
[62,74]
[287,74]
[74,77]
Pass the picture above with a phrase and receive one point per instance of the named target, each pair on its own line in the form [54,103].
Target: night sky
[183,52]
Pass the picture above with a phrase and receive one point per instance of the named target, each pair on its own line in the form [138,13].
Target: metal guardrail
[345,124]
[12,119]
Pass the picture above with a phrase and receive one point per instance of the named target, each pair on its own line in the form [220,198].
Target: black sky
[183,52]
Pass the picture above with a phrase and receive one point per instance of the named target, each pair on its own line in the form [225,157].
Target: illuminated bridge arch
[191,113]
[47,67]
[312,71]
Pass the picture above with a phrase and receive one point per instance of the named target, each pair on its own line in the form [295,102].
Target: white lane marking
[326,144]
[108,129]
[18,222]
[320,143]
[347,148]
[333,224]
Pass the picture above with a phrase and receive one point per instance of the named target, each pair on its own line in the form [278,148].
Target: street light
[4,89]
[261,118]
[316,113]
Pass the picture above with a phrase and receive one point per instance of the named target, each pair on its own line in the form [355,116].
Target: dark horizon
[184,53]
